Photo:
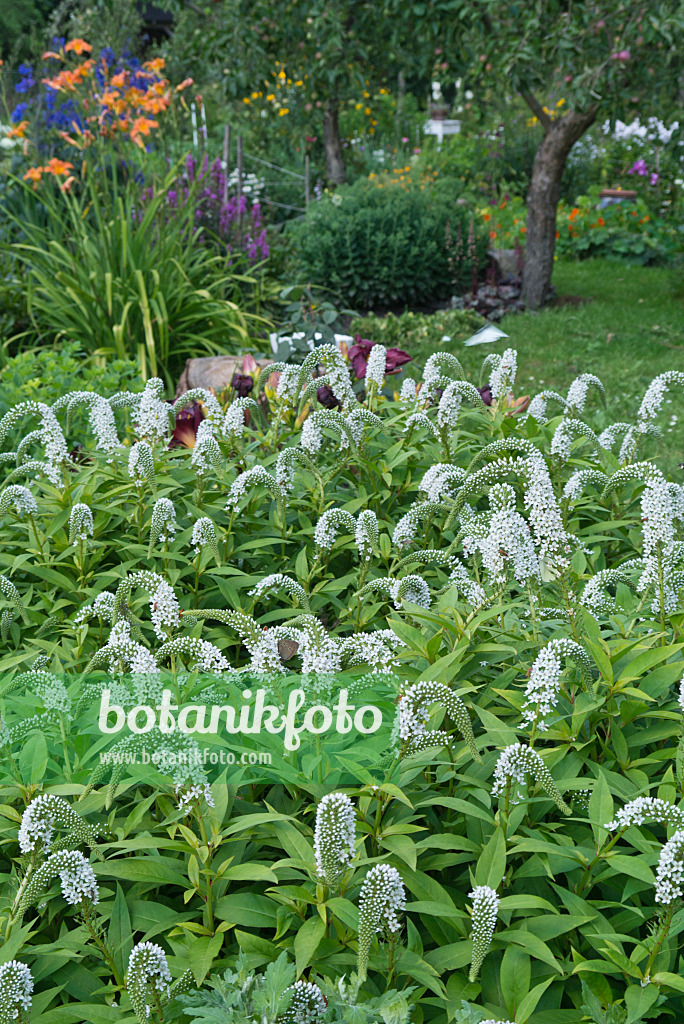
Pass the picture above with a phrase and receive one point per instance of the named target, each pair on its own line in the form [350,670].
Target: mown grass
[629,329]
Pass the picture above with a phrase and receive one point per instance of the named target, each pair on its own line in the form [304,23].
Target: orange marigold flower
[19,130]
[574,213]
[58,167]
[601,222]
[142,126]
[184,84]
[78,46]
[487,216]
[557,234]
[492,234]
[34,174]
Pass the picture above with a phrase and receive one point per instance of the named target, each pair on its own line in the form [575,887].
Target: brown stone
[212,372]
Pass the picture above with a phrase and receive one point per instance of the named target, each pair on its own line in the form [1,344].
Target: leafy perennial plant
[505,581]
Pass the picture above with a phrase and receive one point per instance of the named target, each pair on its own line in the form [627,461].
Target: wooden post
[226,158]
[306,180]
[239,180]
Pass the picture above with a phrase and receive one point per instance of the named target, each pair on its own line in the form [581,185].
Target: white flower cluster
[163,521]
[102,607]
[376,366]
[542,692]
[441,481]
[545,515]
[657,517]
[669,885]
[334,836]
[151,416]
[647,809]
[148,970]
[502,377]
[164,607]
[21,498]
[564,434]
[252,477]
[594,595]
[16,989]
[100,417]
[580,479]
[503,539]
[141,464]
[578,390]
[276,581]
[192,795]
[50,690]
[656,391]
[382,898]
[76,876]
[537,407]
[409,391]
[473,592]
[483,913]
[40,818]
[205,657]
[234,421]
[411,588]
[123,654]
[307,1005]
[81,525]
[516,762]
[206,449]
[204,535]
[413,712]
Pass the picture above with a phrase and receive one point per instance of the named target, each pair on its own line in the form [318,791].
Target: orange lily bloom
[66,185]
[34,174]
[78,46]
[19,130]
[51,55]
[158,64]
[58,167]
[185,84]
[142,126]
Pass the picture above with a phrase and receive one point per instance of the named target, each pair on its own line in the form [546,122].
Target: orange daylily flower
[119,80]
[19,130]
[34,174]
[158,64]
[155,105]
[66,185]
[51,55]
[78,46]
[142,126]
[58,167]
[184,84]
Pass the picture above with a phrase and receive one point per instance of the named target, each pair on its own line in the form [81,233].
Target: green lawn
[631,330]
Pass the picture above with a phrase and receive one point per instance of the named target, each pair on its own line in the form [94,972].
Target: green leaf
[307,941]
[202,953]
[491,865]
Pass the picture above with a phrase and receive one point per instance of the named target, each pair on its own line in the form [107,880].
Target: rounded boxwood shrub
[384,244]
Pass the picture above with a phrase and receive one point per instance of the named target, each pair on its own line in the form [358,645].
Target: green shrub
[419,331]
[383,243]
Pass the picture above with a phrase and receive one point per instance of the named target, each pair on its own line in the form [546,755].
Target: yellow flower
[299,82]
[358,106]
[281,74]
[246,99]
[255,95]
[366,95]
[560,103]
[270,97]
[283,111]
[367,111]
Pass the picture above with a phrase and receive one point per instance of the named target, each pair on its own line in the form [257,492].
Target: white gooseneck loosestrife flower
[81,525]
[334,836]
[515,763]
[148,972]
[502,378]
[151,416]
[381,900]
[16,989]
[483,913]
[669,884]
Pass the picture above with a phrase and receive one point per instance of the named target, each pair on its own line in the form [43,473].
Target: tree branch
[537,109]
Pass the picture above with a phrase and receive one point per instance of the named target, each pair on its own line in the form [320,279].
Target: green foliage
[125,284]
[47,373]
[385,245]
[224,879]
[414,332]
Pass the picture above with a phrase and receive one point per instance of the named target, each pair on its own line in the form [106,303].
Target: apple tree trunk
[334,161]
[542,200]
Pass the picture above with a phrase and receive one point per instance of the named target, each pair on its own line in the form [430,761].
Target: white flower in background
[16,989]
[409,391]
[189,796]
[656,391]
[206,451]
[122,653]
[204,535]
[578,391]
[102,607]
[669,885]
[483,913]
[376,365]
[80,523]
[76,876]
[151,416]
[141,464]
[441,481]
[449,405]
[234,421]
[503,538]
[334,836]
[164,607]
[502,377]
[39,820]
[545,516]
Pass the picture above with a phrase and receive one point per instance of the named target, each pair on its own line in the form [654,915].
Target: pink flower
[621,55]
